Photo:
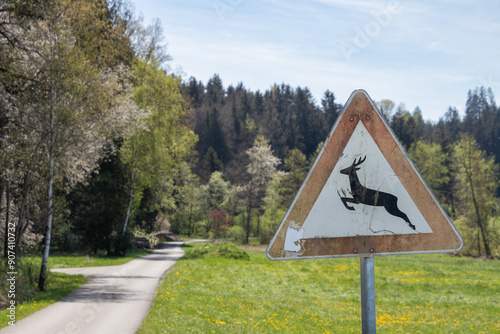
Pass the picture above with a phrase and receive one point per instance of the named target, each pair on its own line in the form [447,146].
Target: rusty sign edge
[325,144]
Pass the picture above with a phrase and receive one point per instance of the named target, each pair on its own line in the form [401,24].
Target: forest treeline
[100,140]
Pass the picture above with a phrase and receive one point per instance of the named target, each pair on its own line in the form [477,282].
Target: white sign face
[372,217]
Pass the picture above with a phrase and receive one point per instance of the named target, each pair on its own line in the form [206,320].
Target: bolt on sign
[362,197]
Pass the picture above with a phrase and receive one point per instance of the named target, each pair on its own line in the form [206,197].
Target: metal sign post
[368,312]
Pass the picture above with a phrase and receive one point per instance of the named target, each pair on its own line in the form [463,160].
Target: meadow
[221,289]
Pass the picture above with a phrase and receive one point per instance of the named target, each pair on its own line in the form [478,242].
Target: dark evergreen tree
[215,90]
[96,208]
[407,127]
[278,119]
[211,163]
[246,105]
[259,103]
[482,121]
[330,108]
[195,91]
[448,129]
[477,102]
[214,136]
[310,122]
[236,120]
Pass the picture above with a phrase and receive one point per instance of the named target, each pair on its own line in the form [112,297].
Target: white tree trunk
[50,195]
[130,200]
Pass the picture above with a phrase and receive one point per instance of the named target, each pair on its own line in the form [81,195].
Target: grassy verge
[30,299]
[209,292]
[78,260]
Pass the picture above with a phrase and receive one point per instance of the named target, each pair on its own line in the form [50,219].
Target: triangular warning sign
[363,196]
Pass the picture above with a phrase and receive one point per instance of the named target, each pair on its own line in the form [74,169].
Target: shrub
[230,251]
[236,234]
[219,223]
[473,245]
[223,249]
[120,244]
[26,280]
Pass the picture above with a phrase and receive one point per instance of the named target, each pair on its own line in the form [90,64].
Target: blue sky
[421,53]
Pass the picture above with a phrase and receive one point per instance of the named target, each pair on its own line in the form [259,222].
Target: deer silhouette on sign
[362,195]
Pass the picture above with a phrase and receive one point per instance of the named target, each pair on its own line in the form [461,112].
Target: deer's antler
[359,162]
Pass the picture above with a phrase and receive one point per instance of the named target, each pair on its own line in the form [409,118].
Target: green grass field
[207,292]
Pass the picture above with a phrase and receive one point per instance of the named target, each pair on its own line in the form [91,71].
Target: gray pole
[368,312]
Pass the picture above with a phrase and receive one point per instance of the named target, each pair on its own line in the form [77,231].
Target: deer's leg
[346,200]
[392,208]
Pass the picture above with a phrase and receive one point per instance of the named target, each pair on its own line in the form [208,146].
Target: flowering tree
[260,170]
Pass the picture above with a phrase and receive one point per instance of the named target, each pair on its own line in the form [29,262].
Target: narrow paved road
[115,300]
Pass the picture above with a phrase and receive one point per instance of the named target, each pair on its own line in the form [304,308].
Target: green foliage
[99,34]
[297,167]
[478,177]
[236,234]
[153,153]
[189,201]
[407,126]
[431,163]
[482,120]
[386,107]
[330,108]
[230,251]
[274,211]
[270,221]
[217,191]
[473,239]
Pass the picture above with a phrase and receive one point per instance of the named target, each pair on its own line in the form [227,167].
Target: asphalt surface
[115,300]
